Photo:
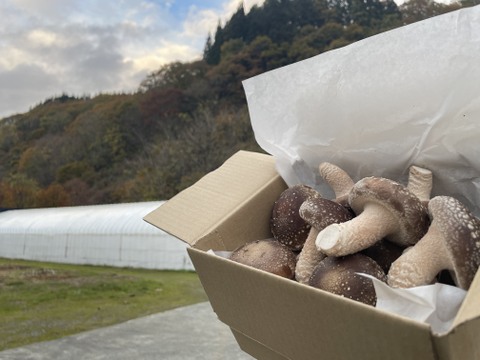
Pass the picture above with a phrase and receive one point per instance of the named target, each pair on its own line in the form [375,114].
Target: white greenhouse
[114,235]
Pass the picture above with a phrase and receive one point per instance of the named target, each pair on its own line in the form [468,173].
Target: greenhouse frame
[113,234]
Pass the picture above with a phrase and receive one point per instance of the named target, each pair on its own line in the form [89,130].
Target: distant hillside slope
[186,118]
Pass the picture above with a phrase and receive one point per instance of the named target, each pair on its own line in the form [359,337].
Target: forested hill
[186,118]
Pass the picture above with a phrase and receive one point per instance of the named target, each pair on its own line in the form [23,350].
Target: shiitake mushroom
[340,275]
[267,255]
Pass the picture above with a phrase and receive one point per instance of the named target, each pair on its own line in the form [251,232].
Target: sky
[86,47]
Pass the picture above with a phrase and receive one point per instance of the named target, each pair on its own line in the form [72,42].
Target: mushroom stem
[352,236]
[308,258]
[337,179]
[420,265]
[420,182]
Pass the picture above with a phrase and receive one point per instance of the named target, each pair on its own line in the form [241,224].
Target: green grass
[45,301]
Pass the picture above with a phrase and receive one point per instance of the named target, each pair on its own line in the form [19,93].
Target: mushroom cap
[412,215]
[320,212]
[285,223]
[461,229]
[339,275]
[267,255]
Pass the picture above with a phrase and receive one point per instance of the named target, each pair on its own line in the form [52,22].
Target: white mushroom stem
[308,258]
[420,182]
[337,179]
[421,263]
[373,224]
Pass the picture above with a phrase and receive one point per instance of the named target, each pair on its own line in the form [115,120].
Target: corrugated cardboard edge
[201,214]
[470,308]
[463,341]
[460,343]
[254,348]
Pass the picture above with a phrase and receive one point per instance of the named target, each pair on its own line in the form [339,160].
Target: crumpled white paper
[436,305]
[407,96]
[375,107]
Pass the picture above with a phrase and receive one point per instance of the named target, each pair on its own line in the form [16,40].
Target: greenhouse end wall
[114,235]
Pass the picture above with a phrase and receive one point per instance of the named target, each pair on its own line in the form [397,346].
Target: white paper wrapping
[407,96]
[436,305]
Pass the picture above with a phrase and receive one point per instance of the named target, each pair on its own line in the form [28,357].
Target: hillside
[186,118]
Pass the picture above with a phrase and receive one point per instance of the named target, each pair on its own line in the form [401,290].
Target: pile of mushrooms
[375,226]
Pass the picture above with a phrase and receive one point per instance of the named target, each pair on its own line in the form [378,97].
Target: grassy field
[44,301]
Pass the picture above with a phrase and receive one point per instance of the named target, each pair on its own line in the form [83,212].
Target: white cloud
[89,46]
[26,82]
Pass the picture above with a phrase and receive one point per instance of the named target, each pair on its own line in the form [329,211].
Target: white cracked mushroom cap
[384,209]
[451,243]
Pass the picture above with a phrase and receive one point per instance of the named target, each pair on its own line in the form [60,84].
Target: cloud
[87,46]
[25,82]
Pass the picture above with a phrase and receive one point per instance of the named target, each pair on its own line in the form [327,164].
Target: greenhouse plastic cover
[114,235]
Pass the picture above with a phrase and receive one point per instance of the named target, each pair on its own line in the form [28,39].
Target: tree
[366,13]
[231,48]
[79,192]
[161,110]
[236,27]
[54,195]
[208,47]
[21,191]
[176,75]
[416,10]
[213,56]
[36,162]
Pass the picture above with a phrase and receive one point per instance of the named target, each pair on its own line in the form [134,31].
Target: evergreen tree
[213,56]
[208,47]
[236,27]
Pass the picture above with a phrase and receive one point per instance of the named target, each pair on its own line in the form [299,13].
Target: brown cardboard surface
[461,343]
[300,322]
[276,318]
[470,308]
[254,348]
[206,214]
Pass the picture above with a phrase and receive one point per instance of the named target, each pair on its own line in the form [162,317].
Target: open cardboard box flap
[279,317]
[208,214]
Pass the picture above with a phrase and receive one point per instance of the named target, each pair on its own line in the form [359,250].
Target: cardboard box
[276,318]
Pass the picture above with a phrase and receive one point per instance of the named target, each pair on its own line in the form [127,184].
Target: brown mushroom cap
[319,213]
[267,255]
[452,242]
[385,209]
[286,224]
[403,204]
[339,275]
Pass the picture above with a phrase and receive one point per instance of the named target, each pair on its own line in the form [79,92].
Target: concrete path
[187,333]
